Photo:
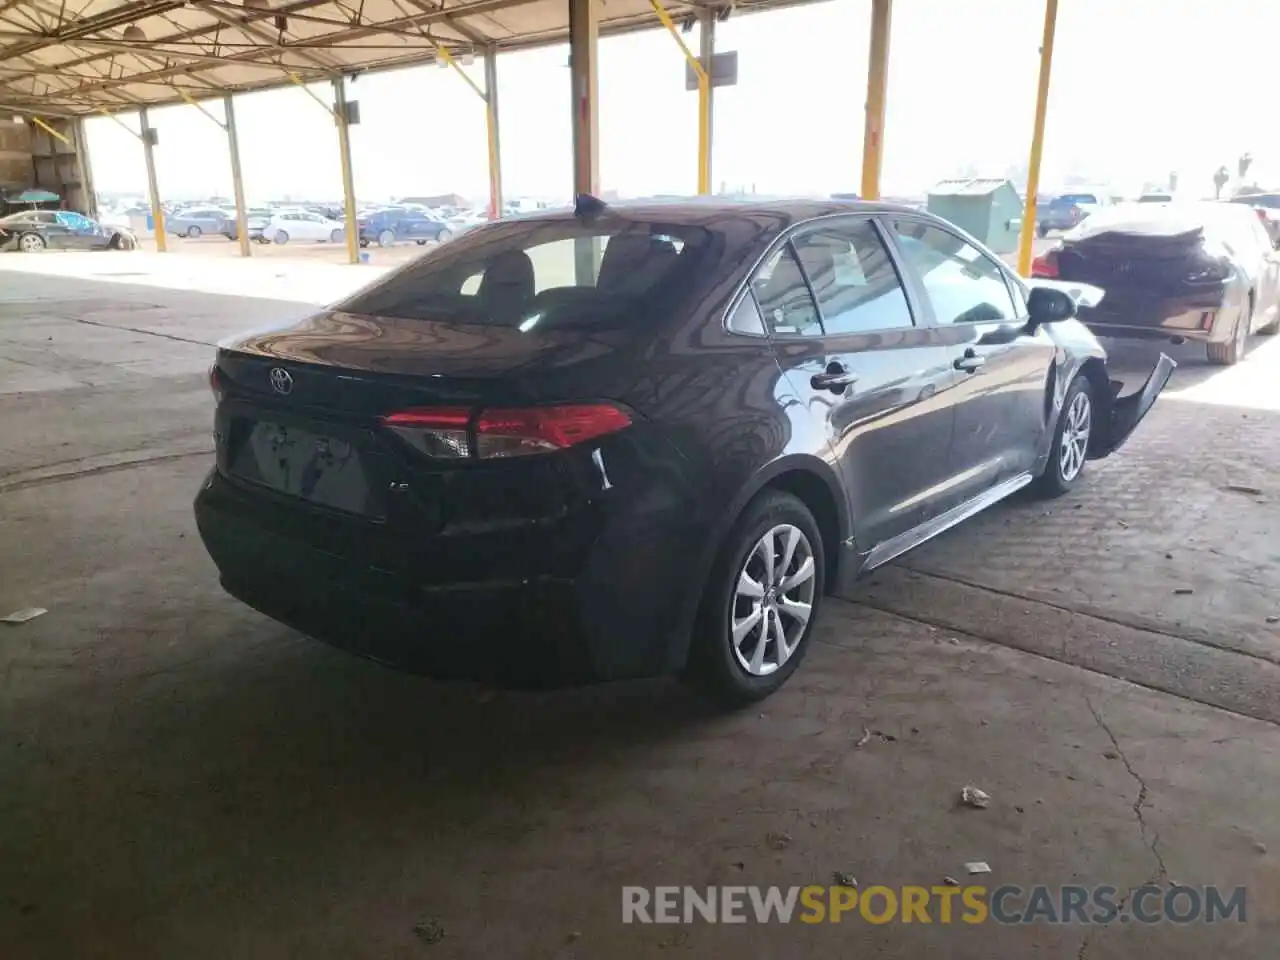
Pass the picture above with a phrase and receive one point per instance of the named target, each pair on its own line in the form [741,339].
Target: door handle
[836,379]
[969,363]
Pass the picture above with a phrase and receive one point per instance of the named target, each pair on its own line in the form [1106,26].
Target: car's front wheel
[386,238]
[335,236]
[193,232]
[760,603]
[1070,440]
[31,243]
[281,237]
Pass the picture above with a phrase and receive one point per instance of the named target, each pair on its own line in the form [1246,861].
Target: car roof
[702,211]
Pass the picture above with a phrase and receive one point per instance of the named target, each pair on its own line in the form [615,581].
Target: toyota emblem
[281,381]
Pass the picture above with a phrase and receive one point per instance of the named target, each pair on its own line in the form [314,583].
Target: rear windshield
[1071,199]
[544,274]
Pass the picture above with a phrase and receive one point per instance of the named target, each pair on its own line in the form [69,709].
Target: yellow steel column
[706,95]
[1028,237]
[584,28]
[352,230]
[702,72]
[877,86]
[237,176]
[492,131]
[153,185]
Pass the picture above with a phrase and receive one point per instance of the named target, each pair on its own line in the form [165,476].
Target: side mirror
[1045,305]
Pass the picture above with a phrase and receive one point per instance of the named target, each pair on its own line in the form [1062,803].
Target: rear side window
[543,275]
[853,279]
[964,285]
[784,297]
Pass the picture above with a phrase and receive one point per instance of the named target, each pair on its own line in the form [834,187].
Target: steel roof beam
[434,16]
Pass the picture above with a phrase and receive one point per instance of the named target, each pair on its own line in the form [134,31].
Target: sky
[1140,88]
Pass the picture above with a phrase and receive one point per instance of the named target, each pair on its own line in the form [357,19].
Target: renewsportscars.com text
[1006,904]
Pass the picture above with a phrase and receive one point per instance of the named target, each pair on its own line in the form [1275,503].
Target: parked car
[497,462]
[1156,198]
[33,230]
[384,227]
[467,220]
[193,222]
[256,220]
[1267,208]
[1197,271]
[286,225]
[1067,210]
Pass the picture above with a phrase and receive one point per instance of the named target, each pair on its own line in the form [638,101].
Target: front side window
[853,279]
[963,284]
[534,276]
[784,297]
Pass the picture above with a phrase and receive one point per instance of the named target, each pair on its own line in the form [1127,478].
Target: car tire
[740,672]
[335,236]
[444,236]
[1076,422]
[1233,351]
[31,243]
[193,232]
[421,243]
[280,237]
[386,238]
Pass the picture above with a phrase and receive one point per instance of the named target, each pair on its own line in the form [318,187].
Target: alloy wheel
[31,243]
[1075,436]
[773,600]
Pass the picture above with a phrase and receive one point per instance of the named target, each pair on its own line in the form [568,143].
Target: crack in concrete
[1153,844]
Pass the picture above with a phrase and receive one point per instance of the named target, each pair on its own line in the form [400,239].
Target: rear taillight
[1045,266]
[454,432]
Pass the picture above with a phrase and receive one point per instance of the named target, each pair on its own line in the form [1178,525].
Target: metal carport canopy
[75,58]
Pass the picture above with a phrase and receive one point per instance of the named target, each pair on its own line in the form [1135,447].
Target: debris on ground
[1242,488]
[864,739]
[430,931]
[1111,755]
[885,737]
[778,840]
[23,615]
[572,937]
[1123,524]
[1183,591]
[1168,556]
[1019,809]
[955,640]
[973,797]
[950,882]
[843,879]
[1260,846]
[915,729]
[1273,619]
[977,866]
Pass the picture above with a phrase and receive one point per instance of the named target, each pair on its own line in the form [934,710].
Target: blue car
[384,227]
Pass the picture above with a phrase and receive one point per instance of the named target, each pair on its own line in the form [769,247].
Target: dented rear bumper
[1125,413]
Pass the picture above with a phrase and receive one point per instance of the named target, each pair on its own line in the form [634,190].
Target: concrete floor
[184,778]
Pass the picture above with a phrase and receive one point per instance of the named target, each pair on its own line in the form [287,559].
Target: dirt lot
[184,778]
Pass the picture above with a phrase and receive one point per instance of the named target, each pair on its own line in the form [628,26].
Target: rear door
[1003,370]
[874,380]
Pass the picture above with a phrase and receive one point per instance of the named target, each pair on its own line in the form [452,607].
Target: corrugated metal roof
[976,187]
[72,57]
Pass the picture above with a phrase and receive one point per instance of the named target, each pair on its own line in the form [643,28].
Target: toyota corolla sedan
[617,442]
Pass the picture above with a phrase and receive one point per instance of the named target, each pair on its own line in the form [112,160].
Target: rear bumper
[607,615]
[1203,318]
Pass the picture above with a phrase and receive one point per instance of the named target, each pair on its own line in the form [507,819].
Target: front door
[875,382]
[1003,371]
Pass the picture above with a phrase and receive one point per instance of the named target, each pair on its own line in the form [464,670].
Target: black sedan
[648,439]
[1197,271]
[384,227]
[35,230]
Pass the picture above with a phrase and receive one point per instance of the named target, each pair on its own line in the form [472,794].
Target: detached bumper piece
[1127,412]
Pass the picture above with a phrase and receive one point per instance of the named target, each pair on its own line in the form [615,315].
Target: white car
[286,225]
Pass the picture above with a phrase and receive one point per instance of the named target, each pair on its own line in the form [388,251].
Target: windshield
[1073,199]
[543,274]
